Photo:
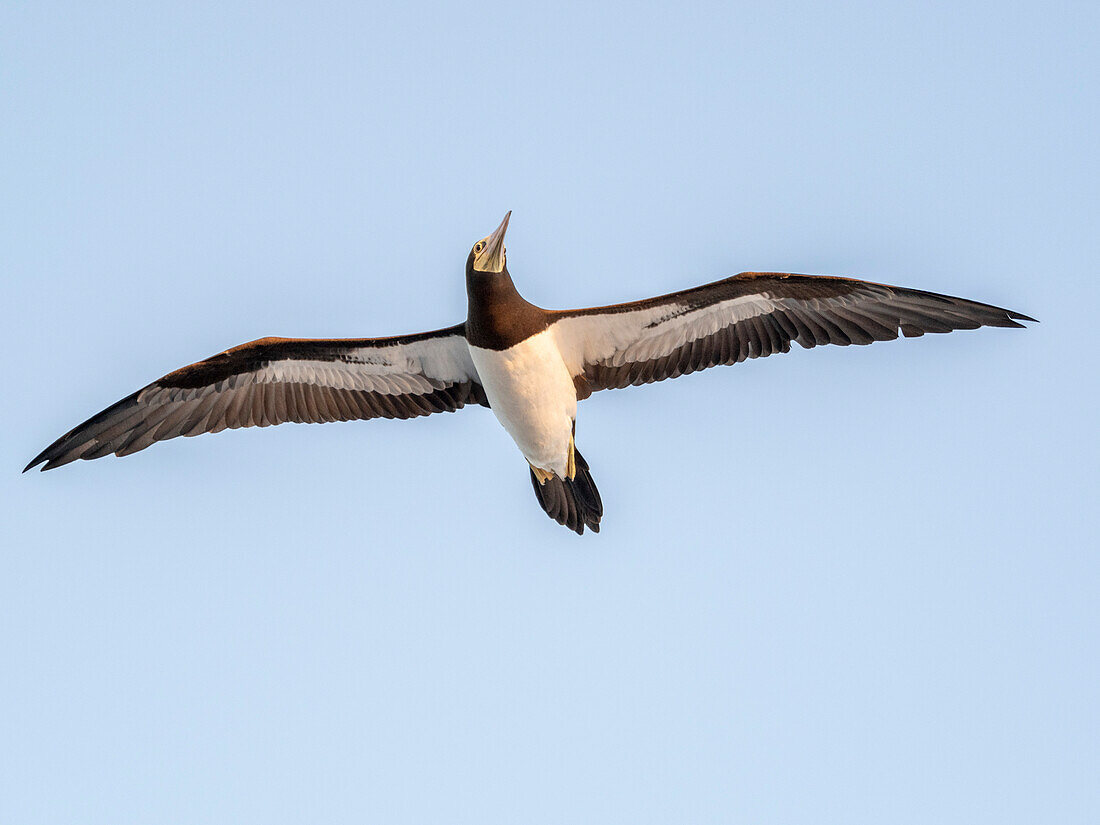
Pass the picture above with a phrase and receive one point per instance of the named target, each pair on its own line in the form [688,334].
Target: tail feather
[572,502]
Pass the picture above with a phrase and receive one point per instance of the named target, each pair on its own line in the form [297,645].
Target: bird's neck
[497,315]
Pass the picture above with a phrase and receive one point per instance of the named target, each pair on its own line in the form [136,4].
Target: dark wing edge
[753,315]
[275,380]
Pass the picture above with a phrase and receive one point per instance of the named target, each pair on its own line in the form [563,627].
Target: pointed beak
[494,247]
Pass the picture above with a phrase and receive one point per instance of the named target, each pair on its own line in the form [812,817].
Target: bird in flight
[529,365]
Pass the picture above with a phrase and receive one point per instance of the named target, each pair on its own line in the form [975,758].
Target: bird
[530,366]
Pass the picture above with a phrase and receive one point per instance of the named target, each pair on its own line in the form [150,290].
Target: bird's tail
[573,502]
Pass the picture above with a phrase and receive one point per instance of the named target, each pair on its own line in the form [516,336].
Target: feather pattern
[751,315]
[276,380]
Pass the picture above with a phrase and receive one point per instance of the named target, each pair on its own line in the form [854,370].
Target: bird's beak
[492,258]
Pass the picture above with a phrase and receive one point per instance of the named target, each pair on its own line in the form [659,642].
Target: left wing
[274,380]
[751,315]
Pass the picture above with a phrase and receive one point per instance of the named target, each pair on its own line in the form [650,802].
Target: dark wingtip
[1019,316]
[51,457]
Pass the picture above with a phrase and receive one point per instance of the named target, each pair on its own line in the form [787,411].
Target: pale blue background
[846,585]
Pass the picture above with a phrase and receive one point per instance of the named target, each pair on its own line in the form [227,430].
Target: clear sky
[842,585]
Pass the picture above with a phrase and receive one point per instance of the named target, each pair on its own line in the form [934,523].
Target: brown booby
[529,365]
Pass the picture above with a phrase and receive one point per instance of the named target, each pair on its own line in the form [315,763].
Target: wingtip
[47,461]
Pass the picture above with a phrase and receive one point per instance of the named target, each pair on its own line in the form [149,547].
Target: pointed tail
[574,503]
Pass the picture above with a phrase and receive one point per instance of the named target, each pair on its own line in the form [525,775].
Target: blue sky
[843,585]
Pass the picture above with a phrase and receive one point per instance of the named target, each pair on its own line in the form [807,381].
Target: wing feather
[276,380]
[752,315]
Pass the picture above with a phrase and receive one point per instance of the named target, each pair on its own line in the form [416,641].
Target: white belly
[533,397]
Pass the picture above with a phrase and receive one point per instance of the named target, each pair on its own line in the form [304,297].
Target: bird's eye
[478,247]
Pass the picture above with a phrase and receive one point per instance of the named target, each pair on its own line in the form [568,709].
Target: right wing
[751,315]
[274,380]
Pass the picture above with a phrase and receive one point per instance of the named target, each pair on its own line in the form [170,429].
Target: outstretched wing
[274,380]
[749,316]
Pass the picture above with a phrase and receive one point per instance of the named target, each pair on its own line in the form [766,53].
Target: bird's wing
[274,380]
[748,316]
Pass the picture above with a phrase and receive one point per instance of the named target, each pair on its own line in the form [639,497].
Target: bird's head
[489,254]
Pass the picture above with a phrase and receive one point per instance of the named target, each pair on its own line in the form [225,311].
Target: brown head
[489,255]
[497,316]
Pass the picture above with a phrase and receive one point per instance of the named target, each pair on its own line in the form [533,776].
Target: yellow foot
[571,462]
[542,475]
[570,466]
